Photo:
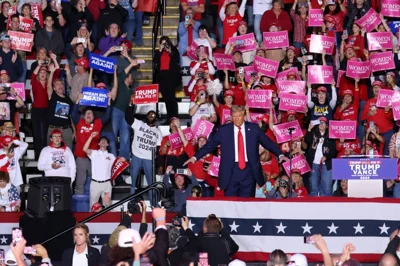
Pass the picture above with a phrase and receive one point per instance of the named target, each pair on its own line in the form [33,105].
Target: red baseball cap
[43,68]
[348,46]
[201,88]
[229,93]
[83,61]
[348,92]
[96,207]
[127,43]
[377,83]
[323,119]
[296,171]
[200,70]
[291,112]
[391,73]
[56,131]
[322,89]
[6,140]
[329,18]
[3,72]
[291,48]
[101,85]
[292,73]
[242,23]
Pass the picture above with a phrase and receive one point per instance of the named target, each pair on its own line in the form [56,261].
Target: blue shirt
[127,5]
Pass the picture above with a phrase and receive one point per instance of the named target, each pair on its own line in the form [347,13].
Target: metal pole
[94,216]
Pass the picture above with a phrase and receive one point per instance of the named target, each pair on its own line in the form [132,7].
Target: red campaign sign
[25,24]
[37,13]
[13,11]
[146,94]
[21,41]
[118,167]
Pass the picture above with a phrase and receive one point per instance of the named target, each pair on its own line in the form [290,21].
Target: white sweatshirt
[64,157]
[14,169]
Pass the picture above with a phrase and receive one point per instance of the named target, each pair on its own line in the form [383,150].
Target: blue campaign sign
[364,168]
[94,97]
[102,63]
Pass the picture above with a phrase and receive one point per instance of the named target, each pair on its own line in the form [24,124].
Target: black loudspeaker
[36,230]
[48,194]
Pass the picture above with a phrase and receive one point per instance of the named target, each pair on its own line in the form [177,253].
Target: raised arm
[333,101]
[114,90]
[177,123]
[87,143]
[310,103]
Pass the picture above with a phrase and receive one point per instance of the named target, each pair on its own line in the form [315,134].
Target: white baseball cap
[237,263]
[125,238]
[299,259]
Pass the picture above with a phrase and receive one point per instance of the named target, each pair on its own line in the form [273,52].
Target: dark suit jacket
[225,137]
[93,257]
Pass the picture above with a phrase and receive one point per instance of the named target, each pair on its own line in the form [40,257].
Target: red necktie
[241,157]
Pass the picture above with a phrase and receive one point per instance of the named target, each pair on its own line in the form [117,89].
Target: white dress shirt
[235,134]
[80,259]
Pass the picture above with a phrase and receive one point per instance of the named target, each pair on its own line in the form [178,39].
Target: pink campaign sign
[214,166]
[320,74]
[282,132]
[287,86]
[382,61]
[175,140]
[283,74]
[342,129]
[266,66]
[19,88]
[340,74]
[295,102]
[315,17]
[357,69]
[244,43]
[226,116]
[202,128]
[384,98]
[224,61]
[369,21]
[298,162]
[259,98]
[379,40]
[390,8]
[191,53]
[320,42]
[247,72]
[276,40]
[396,110]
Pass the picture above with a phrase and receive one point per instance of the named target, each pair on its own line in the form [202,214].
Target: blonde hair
[85,228]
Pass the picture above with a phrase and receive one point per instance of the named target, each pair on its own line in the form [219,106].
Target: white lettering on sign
[364,169]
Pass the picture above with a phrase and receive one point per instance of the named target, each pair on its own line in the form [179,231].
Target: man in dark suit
[240,168]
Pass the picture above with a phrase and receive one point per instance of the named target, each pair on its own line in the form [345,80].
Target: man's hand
[185,223]
[145,244]
[18,249]
[40,251]
[320,243]
[191,160]
[387,108]
[177,123]
[169,170]
[55,166]
[347,249]
[323,159]
[283,158]
[14,57]
[94,134]
[159,215]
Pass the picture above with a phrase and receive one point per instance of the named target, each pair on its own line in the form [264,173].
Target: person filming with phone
[202,108]
[181,186]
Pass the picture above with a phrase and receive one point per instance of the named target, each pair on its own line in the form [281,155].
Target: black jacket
[328,147]
[108,15]
[219,247]
[392,248]
[171,78]
[93,257]
[54,44]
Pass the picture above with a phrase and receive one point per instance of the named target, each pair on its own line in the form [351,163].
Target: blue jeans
[139,28]
[387,136]
[220,31]
[257,22]
[120,126]
[320,181]
[250,15]
[112,147]
[138,164]
[22,78]
[396,190]
[298,44]
[129,28]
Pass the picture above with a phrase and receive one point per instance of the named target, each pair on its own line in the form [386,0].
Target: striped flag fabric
[259,226]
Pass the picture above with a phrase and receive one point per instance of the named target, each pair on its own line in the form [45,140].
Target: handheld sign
[37,13]
[356,168]
[390,8]
[19,88]
[342,129]
[273,40]
[214,166]
[369,21]
[146,94]
[357,69]
[243,43]
[320,74]
[102,63]
[298,162]
[94,97]
[224,61]
[21,41]
[259,98]
[315,17]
